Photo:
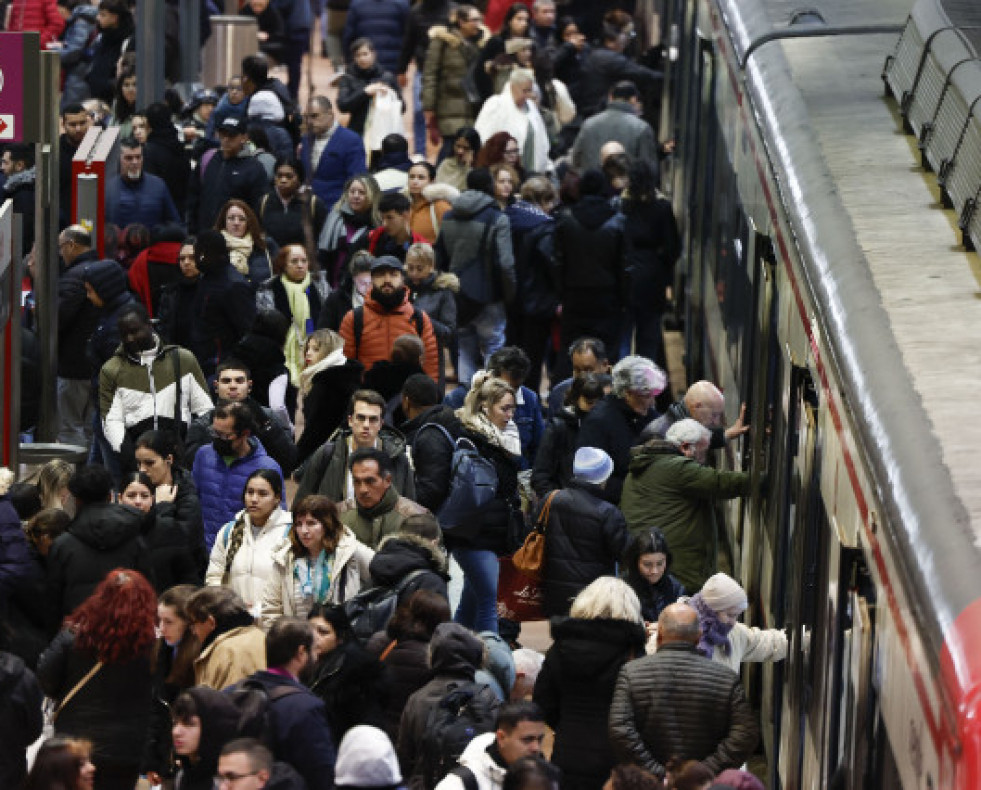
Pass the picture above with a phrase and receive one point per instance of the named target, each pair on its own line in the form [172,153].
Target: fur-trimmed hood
[439,191]
[446,281]
[400,554]
[453,38]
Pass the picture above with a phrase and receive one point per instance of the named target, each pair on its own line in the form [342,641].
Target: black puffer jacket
[20,718]
[112,709]
[400,555]
[575,687]
[351,97]
[222,311]
[614,427]
[174,534]
[164,156]
[498,525]
[589,257]
[556,453]
[353,686]
[584,538]
[100,538]
[325,406]
[407,670]
[432,454]
[679,703]
[655,597]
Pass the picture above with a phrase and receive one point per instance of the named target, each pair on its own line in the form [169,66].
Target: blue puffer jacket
[298,18]
[384,22]
[220,485]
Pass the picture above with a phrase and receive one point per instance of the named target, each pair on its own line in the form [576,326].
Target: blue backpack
[473,483]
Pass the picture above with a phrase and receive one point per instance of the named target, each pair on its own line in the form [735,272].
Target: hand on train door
[739,427]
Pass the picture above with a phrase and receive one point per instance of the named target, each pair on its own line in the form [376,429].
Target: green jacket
[384,519]
[668,490]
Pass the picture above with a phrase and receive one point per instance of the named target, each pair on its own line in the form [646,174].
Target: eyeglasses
[513,151]
[230,778]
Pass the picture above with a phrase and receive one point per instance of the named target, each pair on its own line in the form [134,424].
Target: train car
[827,286]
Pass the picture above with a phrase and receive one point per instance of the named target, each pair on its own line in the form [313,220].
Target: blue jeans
[479,339]
[418,119]
[478,601]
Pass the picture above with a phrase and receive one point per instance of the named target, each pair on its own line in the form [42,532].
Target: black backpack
[460,716]
[255,709]
[369,611]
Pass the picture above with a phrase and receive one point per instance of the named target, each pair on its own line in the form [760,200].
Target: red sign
[18,68]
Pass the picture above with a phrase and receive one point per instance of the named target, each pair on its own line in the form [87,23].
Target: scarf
[296,295]
[714,633]
[333,359]
[508,439]
[312,579]
[239,251]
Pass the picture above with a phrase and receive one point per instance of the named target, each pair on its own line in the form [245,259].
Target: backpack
[254,704]
[473,484]
[454,721]
[370,610]
[358,319]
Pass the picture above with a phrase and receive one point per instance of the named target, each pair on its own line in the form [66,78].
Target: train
[826,177]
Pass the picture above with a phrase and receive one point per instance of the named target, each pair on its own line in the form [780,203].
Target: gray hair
[521,75]
[688,431]
[633,369]
[607,598]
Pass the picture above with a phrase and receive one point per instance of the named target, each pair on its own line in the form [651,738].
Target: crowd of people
[332,370]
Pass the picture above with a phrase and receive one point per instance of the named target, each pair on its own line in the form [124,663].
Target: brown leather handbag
[530,558]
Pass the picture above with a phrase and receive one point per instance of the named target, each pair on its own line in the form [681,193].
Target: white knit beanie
[723,594]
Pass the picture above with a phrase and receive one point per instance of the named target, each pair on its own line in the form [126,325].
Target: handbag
[518,598]
[530,558]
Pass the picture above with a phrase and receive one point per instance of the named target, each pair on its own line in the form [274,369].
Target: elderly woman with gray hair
[615,423]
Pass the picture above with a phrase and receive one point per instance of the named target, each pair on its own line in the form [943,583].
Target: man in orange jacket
[370,331]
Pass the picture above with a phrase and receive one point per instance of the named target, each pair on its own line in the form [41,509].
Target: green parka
[448,60]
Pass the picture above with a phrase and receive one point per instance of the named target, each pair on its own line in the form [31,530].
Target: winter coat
[448,59]
[36,15]
[349,575]
[325,405]
[108,280]
[272,294]
[337,304]
[533,238]
[651,247]
[455,655]
[174,536]
[488,770]
[100,538]
[353,685]
[342,157]
[677,703]
[301,735]
[426,215]
[152,270]
[222,311]
[746,644]
[344,234]
[432,455]
[382,21]
[20,718]
[107,50]
[407,670]
[266,361]
[620,122]
[370,526]
[654,598]
[232,656]
[218,181]
[298,19]
[112,709]
[575,688]
[175,311]
[603,68]
[283,222]
[459,243]
[612,426]
[435,296]
[138,393]
[271,430]
[677,494]
[20,189]
[351,97]
[16,563]
[589,258]
[158,753]
[254,563]
[556,452]
[327,473]
[219,724]
[77,319]
[164,156]
[422,17]
[76,53]
[26,613]
[380,243]
[500,114]
[678,411]
[221,486]
[381,328]
[584,539]
[146,201]
[401,554]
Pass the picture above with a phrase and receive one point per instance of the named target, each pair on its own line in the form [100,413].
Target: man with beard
[370,331]
[76,122]
[135,196]
[147,385]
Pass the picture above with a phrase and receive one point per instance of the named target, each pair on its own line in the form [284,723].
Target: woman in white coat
[322,563]
[242,557]
[724,639]
[515,111]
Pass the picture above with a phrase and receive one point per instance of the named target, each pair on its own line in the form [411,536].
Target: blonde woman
[348,224]
[327,383]
[52,484]
[323,563]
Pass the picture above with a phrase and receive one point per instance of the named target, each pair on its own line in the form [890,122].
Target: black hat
[233,125]
[387,262]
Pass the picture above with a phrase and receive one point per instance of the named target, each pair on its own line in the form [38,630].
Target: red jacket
[146,284]
[375,235]
[39,15]
[381,330]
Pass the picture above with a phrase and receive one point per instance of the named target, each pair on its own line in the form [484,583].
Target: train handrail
[815,32]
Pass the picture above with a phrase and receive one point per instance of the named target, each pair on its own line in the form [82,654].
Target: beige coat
[232,657]
[350,569]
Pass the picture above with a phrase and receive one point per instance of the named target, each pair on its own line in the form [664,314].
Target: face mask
[223,446]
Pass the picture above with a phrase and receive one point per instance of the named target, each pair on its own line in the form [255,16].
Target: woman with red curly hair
[98,670]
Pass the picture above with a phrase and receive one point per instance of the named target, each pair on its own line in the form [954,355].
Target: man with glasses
[245,764]
[330,153]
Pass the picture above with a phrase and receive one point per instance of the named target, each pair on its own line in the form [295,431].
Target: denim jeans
[418,118]
[478,601]
[479,339]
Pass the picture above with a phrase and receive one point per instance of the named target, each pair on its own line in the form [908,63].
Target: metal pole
[16,395]
[149,53]
[46,243]
[190,27]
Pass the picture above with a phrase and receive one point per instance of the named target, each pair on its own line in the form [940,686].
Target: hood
[524,217]
[393,442]
[12,671]
[475,757]
[399,555]
[22,180]
[394,160]
[266,106]
[105,527]
[366,758]
[645,455]
[455,651]
[438,191]
[219,722]
[107,279]
[590,648]
[470,203]
[446,281]
[592,211]
[452,37]
[84,11]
